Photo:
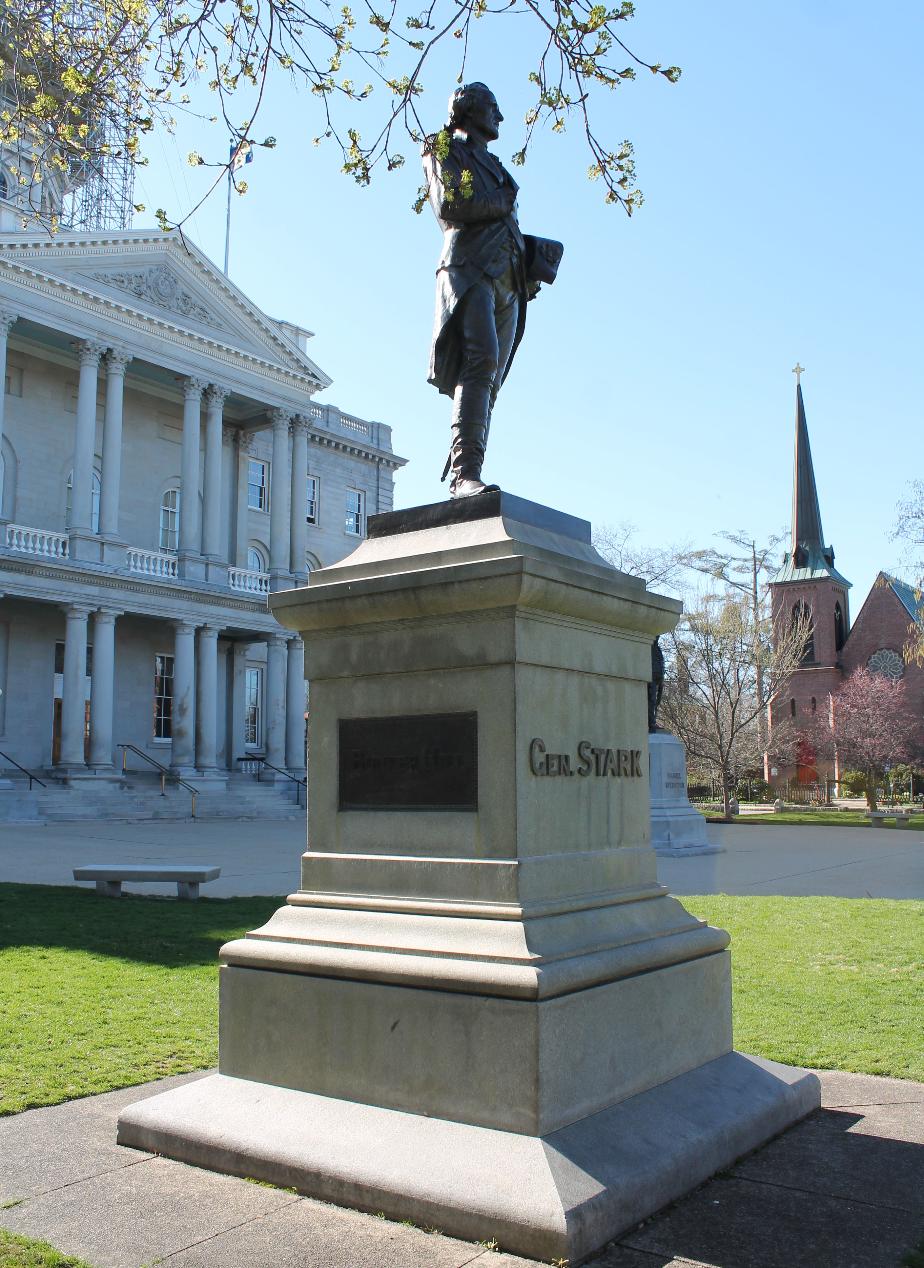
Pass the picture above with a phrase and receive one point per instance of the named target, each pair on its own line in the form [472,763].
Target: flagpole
[228,224]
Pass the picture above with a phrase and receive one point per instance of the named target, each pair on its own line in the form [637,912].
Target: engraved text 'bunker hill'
[591,760]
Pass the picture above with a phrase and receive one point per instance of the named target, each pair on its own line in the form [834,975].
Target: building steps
[139,798]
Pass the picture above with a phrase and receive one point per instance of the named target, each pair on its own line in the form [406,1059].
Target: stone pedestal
[480,1011]
[676,827]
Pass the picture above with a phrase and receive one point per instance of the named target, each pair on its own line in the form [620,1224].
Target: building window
[312,499]
[355,511]
[4,186]
[792,708]
[163,696]
[257,485]
[814,705]
[170,520]
[840,637]
[253,706]
[255,559]
[59,659]
[887,662]
[94,501]
[802,617]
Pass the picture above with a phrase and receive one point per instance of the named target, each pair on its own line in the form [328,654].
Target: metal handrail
[165,773]
[301,783]
[32,778]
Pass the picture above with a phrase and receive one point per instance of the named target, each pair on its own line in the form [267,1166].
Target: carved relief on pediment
[159,285]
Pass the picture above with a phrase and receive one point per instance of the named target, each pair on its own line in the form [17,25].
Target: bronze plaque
[423,762]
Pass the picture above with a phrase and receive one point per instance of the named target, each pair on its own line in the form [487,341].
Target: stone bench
[902,817]
[109,877]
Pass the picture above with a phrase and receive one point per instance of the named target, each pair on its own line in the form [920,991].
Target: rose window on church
[887,663]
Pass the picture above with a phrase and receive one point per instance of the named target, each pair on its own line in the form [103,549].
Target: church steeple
[806,514]
[808,556]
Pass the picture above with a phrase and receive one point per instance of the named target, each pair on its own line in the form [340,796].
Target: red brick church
[808,581]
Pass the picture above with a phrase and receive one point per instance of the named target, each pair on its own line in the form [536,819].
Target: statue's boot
[469,433]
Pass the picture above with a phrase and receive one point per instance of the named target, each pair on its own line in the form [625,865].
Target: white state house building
[162,468]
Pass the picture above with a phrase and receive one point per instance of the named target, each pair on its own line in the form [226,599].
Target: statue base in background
[676,827]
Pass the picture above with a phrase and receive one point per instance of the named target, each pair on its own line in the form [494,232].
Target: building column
[83,544]
[298,529]
[116,363]
[73,696]
[280,577]
[207,701]
[102,690]
[182,757]
[6,321]
[236,737]
[276,701]
[295,707]
[241,534]
[211,532]
[190,543]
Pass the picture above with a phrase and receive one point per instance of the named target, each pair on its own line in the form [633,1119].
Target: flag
[240,154]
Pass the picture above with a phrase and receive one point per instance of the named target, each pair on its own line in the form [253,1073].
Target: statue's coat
[477,234]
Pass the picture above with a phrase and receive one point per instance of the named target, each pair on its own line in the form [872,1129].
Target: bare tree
[869,726]
[660,567]
[749,570]
[711,697]
[909,527]
[80,79]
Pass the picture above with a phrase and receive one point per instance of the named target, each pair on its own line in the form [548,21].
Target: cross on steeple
[798,370]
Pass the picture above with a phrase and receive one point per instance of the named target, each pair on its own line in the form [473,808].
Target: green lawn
[99,993]
[23,1252]
[827,818]
[834,983]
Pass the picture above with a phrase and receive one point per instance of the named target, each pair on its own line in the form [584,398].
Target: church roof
[909,596]
[808,558]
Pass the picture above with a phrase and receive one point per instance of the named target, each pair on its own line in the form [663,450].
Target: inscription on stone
[590,759]
[421,762]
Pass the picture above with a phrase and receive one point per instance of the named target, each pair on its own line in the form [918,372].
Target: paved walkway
[262,857]
[843,1189]
[777,859]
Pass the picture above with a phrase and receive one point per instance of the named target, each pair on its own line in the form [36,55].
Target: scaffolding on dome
[86,193]
[101,187]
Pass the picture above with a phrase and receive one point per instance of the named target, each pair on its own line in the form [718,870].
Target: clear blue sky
[782,221]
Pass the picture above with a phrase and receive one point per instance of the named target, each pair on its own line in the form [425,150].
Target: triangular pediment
[159,286]
[163,278]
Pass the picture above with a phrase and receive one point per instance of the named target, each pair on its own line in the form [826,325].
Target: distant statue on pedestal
[487,273]
[677,828]
[656,686]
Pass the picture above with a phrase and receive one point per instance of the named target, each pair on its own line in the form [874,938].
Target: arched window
[94,501]
[792,708]
[170,520]
[802,617]
[256,560]
[840,636]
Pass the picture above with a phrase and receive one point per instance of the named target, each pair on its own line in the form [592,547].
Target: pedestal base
[676,828]
[560,1195]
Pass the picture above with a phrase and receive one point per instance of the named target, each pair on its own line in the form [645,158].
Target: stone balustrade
[36,541]
[330,417]
[249,581]
[151,563]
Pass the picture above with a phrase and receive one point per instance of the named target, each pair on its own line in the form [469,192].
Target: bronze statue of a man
[487,271]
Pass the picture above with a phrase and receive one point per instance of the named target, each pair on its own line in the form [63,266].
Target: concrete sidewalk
[263,857]
[843,1189]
